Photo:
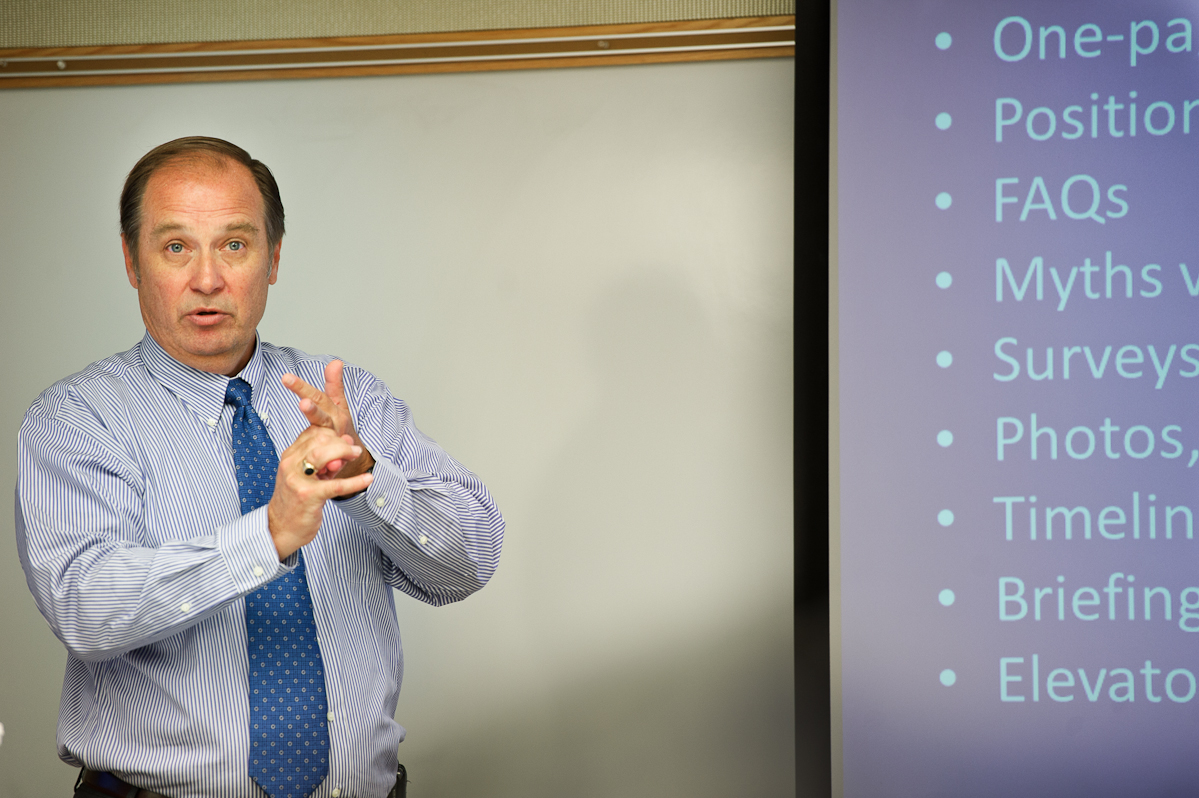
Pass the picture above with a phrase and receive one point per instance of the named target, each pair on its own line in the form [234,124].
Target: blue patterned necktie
[289,740]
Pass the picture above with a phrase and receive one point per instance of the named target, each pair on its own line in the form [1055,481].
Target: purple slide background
[904,732]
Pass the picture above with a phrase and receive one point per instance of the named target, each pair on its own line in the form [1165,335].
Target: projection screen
[1016,364]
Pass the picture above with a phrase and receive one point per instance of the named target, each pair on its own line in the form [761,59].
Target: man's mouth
[206,317]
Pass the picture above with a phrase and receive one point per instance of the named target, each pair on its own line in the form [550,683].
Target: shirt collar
[202,391]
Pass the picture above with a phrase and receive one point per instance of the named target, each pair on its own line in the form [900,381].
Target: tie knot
[238,393]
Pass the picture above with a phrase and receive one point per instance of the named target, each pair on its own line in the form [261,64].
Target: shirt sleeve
[82,543]
[434,520]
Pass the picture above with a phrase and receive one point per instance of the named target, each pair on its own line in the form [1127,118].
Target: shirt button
[423,540]
[330,717]
[187,607]
[258,570]
[379,502]
[212,422]
[336,792]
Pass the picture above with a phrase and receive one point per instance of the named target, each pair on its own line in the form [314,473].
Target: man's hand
[328,409]
[294,512]
[332,446]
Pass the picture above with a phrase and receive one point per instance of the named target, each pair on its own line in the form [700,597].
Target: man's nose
[207,277]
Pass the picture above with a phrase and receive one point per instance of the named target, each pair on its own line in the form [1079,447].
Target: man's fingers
[295,510]
[332,488]
[324,457]
[321,448]
[331,468]
[305,391]
[316,416]
[320,436]
[333,382]
[300,388]
[320,408]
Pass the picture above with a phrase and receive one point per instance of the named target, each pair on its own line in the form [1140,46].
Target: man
[214,539]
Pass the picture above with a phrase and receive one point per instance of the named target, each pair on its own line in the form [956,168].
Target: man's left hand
[329,409]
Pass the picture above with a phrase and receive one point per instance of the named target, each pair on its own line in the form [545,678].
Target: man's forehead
[198,164]
[203,186]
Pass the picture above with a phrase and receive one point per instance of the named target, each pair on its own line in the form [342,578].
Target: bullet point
[944,280]
[945,517]
[945,437]
[948,677]
[944,200]
[944,120]
[944,359]
[945,597]
[943,40]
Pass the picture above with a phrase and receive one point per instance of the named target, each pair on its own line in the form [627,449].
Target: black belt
[111,785]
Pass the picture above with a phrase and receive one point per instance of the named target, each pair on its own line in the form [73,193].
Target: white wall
[580,280]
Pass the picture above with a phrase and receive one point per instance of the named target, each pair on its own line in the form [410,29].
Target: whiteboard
[581,282]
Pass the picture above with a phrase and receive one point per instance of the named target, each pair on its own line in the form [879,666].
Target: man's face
[203,263]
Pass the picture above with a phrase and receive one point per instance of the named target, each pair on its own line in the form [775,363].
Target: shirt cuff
[250,553]
[380,504]
[385,499]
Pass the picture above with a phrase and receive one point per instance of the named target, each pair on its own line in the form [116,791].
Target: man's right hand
[294,512]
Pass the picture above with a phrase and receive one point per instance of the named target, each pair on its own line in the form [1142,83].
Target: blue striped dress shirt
[136,551]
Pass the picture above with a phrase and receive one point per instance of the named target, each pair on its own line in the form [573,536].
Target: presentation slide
[1018,363]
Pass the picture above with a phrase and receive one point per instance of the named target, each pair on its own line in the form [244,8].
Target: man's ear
[274,275]
[130,269]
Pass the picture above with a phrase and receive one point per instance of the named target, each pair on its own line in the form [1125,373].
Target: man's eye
[236,245]
[175,248]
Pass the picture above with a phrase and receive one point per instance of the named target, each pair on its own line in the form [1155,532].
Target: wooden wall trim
[699,40]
